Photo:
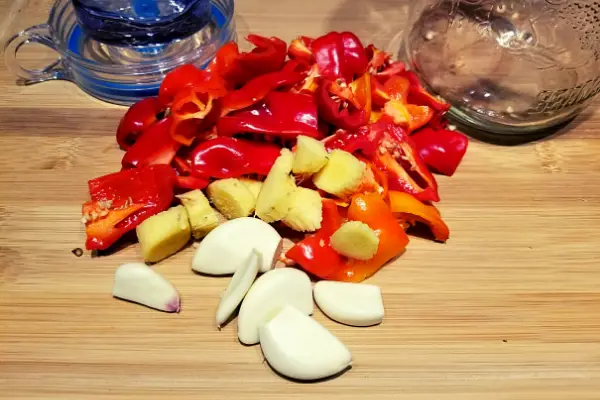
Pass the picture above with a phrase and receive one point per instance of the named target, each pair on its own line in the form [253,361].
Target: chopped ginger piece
[306,210]
[342,175]
[355,240]
[232,198]
[203,218]
[272,204]
[164,234]
[310,156]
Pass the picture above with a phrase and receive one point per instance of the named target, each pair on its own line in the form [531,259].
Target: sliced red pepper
[257,89]
[366,140]
[408,208]
[310,84]
[155,146]
[226,157]
[301,50]
[136,120]
[372,210]
[335,112]
[442,150]
[314,254]
[182,77]
[190,182]
[122,200]
[379,95]
[419,116]
[225,61]
[397,87]
[362,93]
[193,112]
[268,56]
[340,55]
[381,65]
[283,114]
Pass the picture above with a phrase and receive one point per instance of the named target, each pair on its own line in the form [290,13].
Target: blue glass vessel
[141,22]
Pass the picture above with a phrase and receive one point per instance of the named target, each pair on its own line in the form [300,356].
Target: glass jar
[508,67]
[117,74]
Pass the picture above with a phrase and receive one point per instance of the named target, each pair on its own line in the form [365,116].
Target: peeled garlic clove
[356,304]
[238,287]
[269,294]
[225,248]
[140,284]
[297,346]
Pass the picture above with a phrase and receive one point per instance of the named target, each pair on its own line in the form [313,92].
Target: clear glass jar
[508,67]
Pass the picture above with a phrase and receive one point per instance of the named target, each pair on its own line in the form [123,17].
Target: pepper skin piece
[155,146]
[407,208]
[335,113]
[136,120]
[123,200]
[226,157]
[283,114]
[340,55]
[442,150]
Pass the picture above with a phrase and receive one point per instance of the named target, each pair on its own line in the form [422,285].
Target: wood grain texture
[508,309]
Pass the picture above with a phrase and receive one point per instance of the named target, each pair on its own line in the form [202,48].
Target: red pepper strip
[190,182]
[419,96]
[122,200]
[310,84]
[136,120]
[395,68]
[268,56]
[225,62]
[191,110]
[411,210]
[300,50]
[408,116]
[178,79]
[378,59]
[340,55]
[283,114]
[314,254]
[182,166]
[329,110]
[442,150]
[155,146]
[257,89]
[372,210]
[225,157]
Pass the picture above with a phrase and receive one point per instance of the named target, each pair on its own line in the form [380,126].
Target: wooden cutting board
[509,308]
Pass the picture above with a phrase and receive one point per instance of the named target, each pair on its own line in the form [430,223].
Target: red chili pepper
[334,111]
[301,50]
[283,114]
[257,89]
[340,55]
[155,146]
[122,200]
[442,150]
[136,120]
[314,254]
[225,157]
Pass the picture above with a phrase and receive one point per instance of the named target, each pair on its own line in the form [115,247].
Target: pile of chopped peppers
[232,119]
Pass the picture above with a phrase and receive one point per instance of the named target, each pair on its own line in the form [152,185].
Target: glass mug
[141,22]
[508,67]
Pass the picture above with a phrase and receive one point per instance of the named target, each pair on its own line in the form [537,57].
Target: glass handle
[39,34]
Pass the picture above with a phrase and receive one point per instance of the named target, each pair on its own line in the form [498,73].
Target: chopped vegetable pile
[324,136]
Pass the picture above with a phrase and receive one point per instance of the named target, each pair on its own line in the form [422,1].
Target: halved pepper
[283,114]
[155,146]
[137,119]
[340,55]
[408,208]
[122,200]
[442,150]
[340,113]
[226,157]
